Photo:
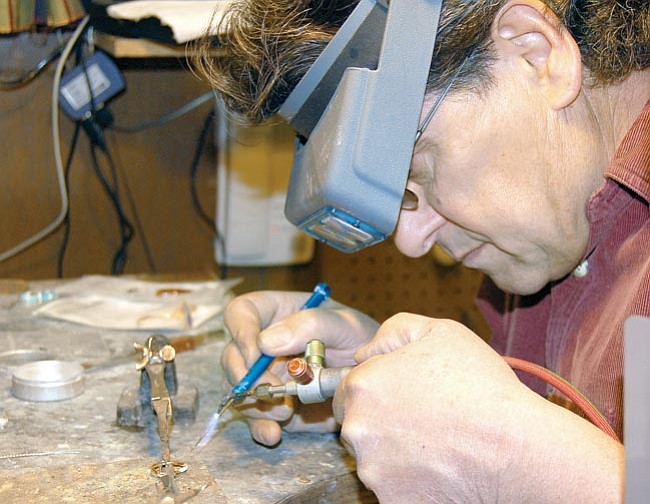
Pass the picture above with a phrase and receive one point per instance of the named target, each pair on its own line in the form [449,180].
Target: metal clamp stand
[159,393]
[135,408]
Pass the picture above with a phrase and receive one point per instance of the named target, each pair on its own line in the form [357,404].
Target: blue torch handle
[321,293]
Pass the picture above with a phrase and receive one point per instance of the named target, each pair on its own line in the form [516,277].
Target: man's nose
[417,228]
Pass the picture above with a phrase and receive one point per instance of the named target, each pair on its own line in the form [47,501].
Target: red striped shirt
[575,326]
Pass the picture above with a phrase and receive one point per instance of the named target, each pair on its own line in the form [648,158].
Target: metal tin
[12,358]
[48,380]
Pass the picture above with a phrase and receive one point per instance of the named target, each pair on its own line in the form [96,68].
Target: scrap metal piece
[6,456]
[156,368]
[145,352]
[160,376]
[178,466]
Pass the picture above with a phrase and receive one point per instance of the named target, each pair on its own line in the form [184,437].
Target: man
[534,170]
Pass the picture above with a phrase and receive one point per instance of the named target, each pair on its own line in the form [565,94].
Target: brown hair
[270,44]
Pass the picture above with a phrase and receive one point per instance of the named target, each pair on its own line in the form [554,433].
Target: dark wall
[153,170]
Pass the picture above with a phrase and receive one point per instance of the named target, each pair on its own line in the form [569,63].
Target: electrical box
[254,165]
[90,85]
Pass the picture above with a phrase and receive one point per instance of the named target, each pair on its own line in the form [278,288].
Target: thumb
[290,335]
[335,326]
[396,332]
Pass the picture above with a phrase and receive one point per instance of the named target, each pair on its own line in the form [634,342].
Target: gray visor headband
[357,111]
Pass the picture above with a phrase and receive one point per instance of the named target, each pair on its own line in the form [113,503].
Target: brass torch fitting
[315,353]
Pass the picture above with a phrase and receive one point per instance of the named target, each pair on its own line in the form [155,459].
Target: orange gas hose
[590,411]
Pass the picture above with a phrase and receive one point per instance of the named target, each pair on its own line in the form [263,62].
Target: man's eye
[410,201]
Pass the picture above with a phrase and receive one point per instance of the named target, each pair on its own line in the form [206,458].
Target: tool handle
[253,374]
[320,293]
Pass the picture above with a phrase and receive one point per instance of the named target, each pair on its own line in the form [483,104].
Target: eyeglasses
[410,201]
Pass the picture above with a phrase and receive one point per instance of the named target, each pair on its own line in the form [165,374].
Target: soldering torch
[320,293]
[312,382]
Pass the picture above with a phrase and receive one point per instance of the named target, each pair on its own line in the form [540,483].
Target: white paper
[123,303]
[188,19]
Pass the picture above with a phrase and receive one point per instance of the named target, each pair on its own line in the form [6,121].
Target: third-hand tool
[157,362]
[320,293]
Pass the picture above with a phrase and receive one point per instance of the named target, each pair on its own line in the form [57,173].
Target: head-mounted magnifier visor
[356,112]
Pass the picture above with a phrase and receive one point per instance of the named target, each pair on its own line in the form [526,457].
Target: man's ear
[529,33]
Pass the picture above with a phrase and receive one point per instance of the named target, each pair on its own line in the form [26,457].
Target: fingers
[405,328]
[340,329]
[233,363]
[348,390]
[278,409]
[315,417]
[264,431]
[306,418]
[246,316]
[338,409]
[243,318]
[397,331]
[272,323]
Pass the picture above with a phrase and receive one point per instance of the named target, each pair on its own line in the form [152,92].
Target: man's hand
[272,323]
[433,414]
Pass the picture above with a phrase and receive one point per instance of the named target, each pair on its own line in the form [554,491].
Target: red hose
[590,411]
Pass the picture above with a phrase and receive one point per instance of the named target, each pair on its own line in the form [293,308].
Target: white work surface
[111,461]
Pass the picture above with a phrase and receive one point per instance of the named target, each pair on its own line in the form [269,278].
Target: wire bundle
[112,182]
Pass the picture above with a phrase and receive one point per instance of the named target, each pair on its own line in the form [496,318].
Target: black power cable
[166,118]
[31,74]
[196,202]
[99,120]
[95,134]
[94,127]
[112,191]
[194,168]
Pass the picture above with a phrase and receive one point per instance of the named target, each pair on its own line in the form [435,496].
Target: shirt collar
[631,163]
[630,168]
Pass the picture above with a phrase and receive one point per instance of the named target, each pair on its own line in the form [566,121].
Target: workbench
[92,459]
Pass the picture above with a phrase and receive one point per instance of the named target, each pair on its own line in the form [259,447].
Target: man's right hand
[273,323]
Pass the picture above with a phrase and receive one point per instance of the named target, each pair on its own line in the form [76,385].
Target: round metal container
[12,358]
[49,380]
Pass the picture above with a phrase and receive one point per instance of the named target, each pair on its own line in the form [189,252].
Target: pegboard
[381,282]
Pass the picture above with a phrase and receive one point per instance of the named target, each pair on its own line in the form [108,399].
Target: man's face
[502,180]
